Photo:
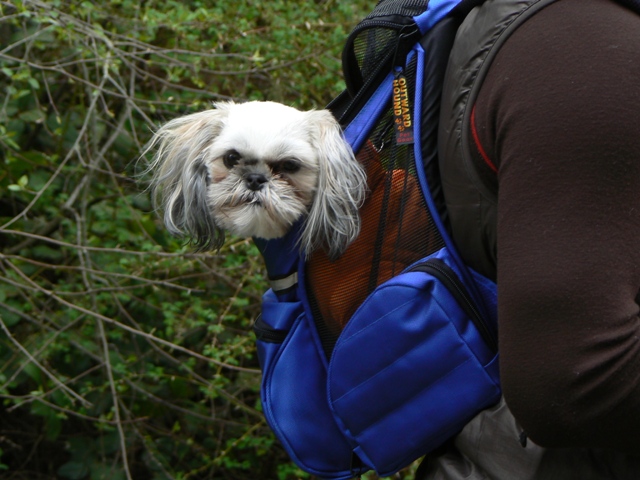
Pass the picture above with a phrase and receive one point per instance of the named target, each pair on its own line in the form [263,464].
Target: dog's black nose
[254,181]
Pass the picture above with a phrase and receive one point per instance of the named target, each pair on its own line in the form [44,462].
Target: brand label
[402,110]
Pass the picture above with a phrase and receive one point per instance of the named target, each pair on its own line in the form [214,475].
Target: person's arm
[560,113]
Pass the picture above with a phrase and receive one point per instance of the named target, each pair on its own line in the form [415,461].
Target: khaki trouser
[490,448]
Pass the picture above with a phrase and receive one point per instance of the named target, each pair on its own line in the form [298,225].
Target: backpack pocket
[294,390]
[414,364]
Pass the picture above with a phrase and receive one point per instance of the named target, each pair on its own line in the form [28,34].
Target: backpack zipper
[448,277]
[265,333]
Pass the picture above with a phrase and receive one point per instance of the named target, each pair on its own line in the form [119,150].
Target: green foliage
[124,355]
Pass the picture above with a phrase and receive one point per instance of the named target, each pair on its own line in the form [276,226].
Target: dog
[255,169]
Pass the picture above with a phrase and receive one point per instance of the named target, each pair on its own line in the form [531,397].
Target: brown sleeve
[559,114]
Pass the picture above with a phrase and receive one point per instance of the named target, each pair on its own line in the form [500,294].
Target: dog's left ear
[333,221]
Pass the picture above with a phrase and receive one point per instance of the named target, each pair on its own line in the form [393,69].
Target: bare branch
[72,395]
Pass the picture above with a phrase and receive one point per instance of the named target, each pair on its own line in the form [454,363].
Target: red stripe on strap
[476,139]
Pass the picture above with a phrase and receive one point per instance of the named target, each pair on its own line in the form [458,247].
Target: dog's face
[254,169]
[263,170]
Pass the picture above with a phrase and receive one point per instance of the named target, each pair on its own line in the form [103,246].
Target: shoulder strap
[381,41]
[470,202]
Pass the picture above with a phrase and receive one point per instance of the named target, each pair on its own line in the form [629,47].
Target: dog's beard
[265,213]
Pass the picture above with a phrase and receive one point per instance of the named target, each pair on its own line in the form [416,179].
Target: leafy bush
[123,355]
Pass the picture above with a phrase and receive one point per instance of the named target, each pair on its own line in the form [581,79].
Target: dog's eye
[231,159]
[286,166]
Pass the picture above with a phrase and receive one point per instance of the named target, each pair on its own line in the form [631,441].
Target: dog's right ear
[180,176]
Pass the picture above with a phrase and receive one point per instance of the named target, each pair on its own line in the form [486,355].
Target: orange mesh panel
[396,231]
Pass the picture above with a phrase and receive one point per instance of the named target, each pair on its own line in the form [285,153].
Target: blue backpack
[378,357]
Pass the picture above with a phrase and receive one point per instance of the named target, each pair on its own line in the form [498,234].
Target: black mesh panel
[397,230]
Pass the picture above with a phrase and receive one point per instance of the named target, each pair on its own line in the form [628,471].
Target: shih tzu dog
[254,169]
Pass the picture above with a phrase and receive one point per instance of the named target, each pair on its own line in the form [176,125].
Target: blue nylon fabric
[442,404]
[293,395]
[280,255]
[390,378]
[396,364]
[279,315]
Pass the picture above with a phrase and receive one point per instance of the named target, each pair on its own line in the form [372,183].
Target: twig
[44,370]
[182,365]
[103,249]
[169,283]
[127,328]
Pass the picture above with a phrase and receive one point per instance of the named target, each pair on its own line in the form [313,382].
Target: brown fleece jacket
[559,116]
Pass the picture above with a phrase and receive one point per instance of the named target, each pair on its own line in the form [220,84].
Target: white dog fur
[254,169]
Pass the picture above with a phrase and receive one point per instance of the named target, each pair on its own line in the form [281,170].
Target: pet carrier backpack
[373,359]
